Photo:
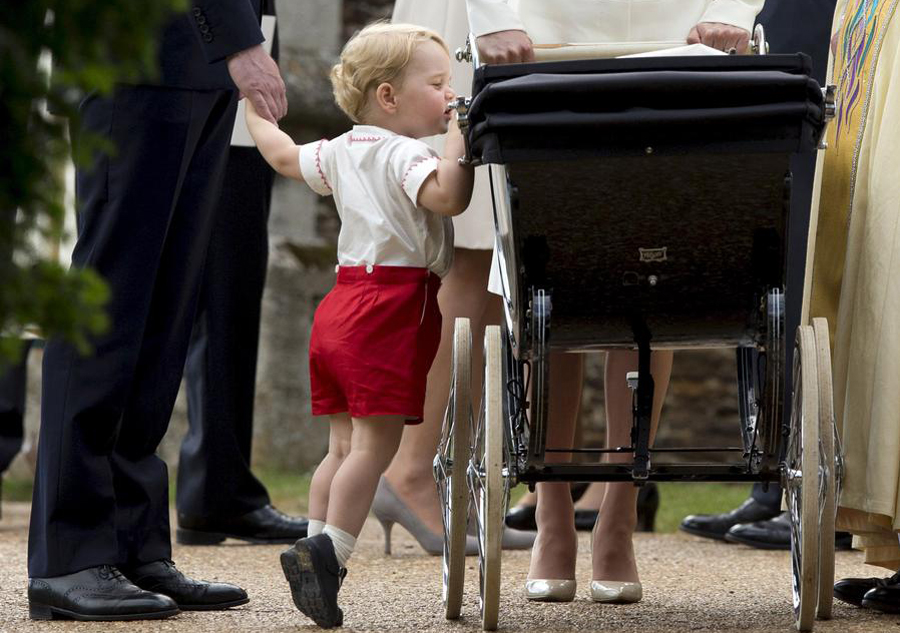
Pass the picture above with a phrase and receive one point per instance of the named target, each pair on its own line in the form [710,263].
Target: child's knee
[339,450]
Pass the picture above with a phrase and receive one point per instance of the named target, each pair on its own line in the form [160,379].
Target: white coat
[556,22]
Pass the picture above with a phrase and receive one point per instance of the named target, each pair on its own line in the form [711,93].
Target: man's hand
[256,75]
[721,36]
[505,47]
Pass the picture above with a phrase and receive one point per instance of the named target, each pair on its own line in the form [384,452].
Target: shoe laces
[110,572]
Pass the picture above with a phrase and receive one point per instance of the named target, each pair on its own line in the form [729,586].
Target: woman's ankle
[553,554]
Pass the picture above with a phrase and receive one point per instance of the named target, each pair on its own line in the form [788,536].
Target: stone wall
[303,232]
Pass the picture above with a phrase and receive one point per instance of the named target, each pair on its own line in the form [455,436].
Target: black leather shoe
[522,518]
[775,534]
[191,595]
[96,593]
[263,526]
[315,576]
[772,534]
[885,597]
[853,590]
[717,525]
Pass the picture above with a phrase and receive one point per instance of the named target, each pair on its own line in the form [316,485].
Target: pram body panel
[646,193]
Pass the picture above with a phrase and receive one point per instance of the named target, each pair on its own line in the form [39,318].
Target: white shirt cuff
[491,16]
[311,168]
[740,13]
[416,175]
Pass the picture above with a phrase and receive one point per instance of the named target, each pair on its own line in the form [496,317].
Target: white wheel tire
[826,456]
[455,445]
[805,510]
[493,464]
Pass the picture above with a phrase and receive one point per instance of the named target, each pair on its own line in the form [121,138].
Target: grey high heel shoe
[389,509]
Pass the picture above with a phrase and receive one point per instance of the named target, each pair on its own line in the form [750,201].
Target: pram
[641,204]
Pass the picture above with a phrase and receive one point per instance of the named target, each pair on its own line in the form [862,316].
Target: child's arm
[448,189]
[276,147]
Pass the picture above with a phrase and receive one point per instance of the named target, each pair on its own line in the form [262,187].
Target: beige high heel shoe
[545,590]
[616,592]
[389,509]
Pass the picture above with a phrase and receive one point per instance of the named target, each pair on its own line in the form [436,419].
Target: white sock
[315,527]
[343,543]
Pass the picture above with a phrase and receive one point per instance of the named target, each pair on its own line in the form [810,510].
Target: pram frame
[764,457]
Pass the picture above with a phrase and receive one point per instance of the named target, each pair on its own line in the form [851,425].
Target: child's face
[423,96]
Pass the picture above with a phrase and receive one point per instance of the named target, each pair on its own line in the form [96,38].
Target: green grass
[677,500]
[290,491]
[16,489]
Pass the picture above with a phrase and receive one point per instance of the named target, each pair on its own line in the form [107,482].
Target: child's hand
[275,146]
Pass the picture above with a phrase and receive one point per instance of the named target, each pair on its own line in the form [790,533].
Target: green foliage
[94,45]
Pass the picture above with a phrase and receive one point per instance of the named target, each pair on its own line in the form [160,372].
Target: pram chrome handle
[461,105]
[758,43]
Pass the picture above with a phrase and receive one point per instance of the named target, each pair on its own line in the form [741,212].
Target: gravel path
[690,584]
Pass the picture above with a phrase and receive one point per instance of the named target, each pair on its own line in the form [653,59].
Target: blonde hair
[375,55]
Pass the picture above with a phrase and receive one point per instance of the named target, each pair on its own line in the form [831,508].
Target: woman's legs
[613,551]
[555,549]
[463,294]
[373,443]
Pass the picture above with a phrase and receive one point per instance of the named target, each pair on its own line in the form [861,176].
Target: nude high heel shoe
[616,592]
[389,509]
[544,590]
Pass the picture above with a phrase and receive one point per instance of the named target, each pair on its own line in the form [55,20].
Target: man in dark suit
[791,26]
[217,494]
[99,544]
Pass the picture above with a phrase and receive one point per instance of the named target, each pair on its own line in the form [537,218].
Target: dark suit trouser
[214,477]
[13,382]
[782,19]
[101,493]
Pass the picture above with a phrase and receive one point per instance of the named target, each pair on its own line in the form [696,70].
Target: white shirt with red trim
[375,176]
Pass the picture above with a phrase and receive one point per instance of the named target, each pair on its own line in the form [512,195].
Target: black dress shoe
[852,590]
[885,597]
[522,518]
[772,534]
[265,525]
[315,577]
[96,593]
[161,576]
[717,525]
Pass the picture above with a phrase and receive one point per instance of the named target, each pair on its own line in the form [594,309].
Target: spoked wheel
[802,480]
[827,469]
[486,480]
[450,469]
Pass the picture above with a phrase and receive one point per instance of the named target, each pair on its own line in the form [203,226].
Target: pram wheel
[802,479]
[490,490]
[450,469]
[828,468]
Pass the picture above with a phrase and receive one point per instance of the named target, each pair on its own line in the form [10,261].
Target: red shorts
[374,337]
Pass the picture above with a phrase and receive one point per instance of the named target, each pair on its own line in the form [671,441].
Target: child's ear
[386,97]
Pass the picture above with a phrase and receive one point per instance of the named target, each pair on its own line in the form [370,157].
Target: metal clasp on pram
[830,93]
